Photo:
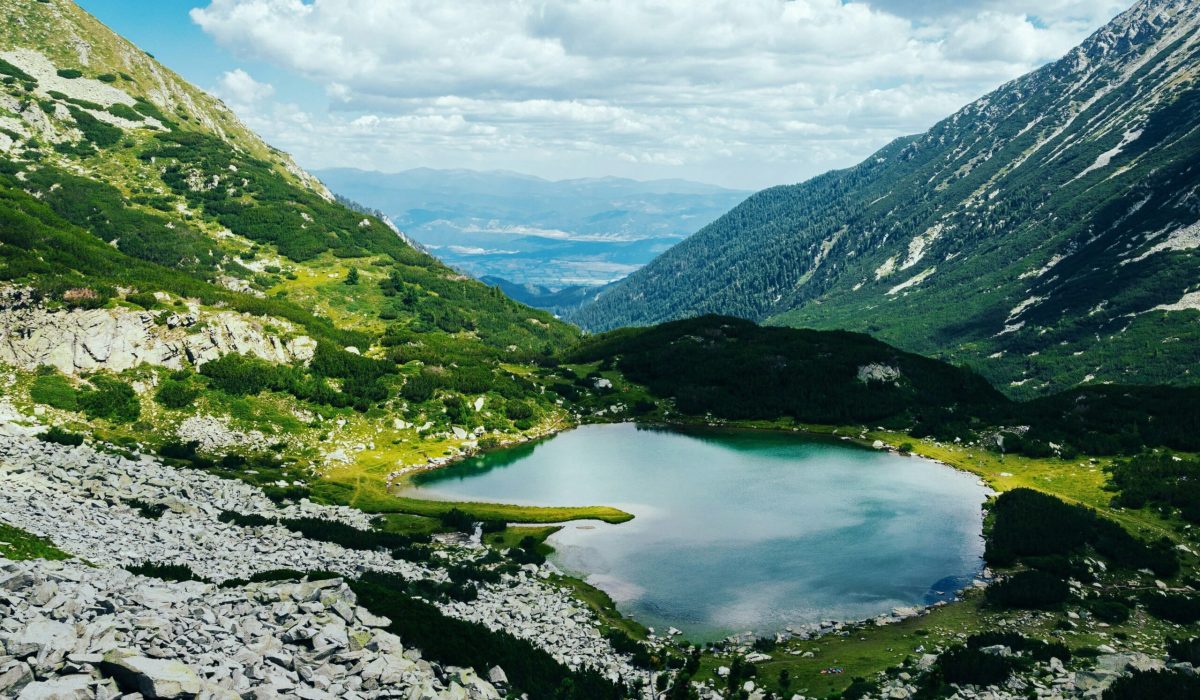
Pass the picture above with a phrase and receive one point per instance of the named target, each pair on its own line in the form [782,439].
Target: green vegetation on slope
[733,369]
[17,545]
[1039,234]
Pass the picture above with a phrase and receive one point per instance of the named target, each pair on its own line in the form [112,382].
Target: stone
[14,679]
[48,635]
[74,687]
[153,678]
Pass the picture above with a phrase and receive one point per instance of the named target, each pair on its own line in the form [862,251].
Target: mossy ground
[19,545]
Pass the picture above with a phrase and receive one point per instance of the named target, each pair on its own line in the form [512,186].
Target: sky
[745,94]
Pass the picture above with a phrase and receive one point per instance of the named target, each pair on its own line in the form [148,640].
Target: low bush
[344,535]
[1029,590]
[1111,611]
[964,665]
[150,511]
[1027,523]
[1159,685]
[53,389]
[166,572]
[1185,650]
[110,399]
[176,394]
[1177,608]
[245,519]
[146,300]
[59,436]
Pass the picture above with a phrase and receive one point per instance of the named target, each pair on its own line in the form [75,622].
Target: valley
[923,428]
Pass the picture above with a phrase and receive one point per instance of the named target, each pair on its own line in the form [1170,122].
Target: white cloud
[700,88]
[241,90]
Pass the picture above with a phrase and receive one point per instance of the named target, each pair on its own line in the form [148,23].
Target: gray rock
[153,678]
[77,687]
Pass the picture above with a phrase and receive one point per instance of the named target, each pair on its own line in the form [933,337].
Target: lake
[740,531]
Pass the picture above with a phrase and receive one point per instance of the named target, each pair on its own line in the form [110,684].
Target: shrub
[176,394]
[59,436]
[344,535]
[1035,648]
[246,375]
[1110,611]
[174,449]
[1185,650]
[1160,685]
[53,389]
[1026,523]
[281,575]
[1180,609]
[150,511]
[517,410]
[245,519]
[146,300]
[964,665]
[166,572]
[459,520]
[70,73]
[420,388]
[1029,590]
[110,399]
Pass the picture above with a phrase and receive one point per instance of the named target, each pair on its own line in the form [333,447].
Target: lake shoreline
[779,451]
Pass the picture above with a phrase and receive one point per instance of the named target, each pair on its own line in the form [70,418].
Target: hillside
[171,282]
[1046,234]
[528,230]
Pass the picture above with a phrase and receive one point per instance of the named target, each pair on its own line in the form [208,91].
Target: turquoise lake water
[741,531]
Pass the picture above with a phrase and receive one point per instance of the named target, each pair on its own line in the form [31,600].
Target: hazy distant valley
[537,235]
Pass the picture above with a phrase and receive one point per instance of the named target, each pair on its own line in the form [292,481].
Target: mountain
[169,281]
[556,301]
[527,230]
[1046,234]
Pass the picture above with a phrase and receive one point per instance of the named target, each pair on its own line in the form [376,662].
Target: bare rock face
[82,340]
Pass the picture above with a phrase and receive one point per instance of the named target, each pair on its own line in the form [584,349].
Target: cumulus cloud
[747,93]
[240,89]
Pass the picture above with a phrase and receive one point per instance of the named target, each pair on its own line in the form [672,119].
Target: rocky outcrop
[78,498]
[71,631]
[118,339]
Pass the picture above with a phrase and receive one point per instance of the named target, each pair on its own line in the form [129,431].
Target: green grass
[1078,481]
[862,653]
[405,524]
[511,536]
[19,545]
[603,606]
[506,512]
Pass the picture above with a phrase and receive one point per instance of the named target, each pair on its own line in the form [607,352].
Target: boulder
[153,678]
[76,687]
[14,678]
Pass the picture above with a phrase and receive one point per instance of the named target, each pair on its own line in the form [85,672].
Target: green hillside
[138,206]
[1045,234]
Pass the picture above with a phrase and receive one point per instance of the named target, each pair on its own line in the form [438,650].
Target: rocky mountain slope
[146,234]
[1046,233]
[91,628]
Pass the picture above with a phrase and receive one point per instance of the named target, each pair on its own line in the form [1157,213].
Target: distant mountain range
[1046,234]
[530,231]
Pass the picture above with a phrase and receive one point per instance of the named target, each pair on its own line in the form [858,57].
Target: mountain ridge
[937,240]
